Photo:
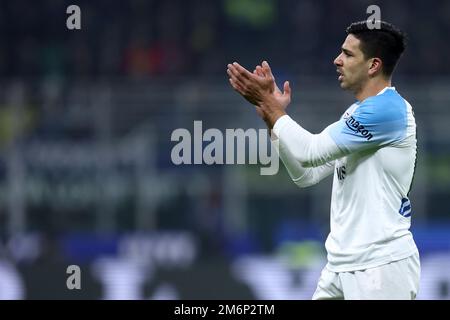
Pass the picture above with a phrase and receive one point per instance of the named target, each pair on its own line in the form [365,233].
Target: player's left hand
[260,89]
[252,87]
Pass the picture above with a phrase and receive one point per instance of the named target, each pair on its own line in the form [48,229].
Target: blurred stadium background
[85,123]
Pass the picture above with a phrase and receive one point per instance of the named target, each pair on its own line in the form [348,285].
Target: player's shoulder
[388,98]
[388,105]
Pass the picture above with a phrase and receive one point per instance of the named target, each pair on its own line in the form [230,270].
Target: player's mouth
[341,76]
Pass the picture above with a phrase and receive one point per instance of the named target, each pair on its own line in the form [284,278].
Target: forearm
[301,176]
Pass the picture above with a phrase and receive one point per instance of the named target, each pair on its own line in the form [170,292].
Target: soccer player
[372,152]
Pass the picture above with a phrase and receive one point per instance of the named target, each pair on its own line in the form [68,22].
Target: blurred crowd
[181,40]
[149,38]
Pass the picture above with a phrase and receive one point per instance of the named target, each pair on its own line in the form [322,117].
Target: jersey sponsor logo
[356,127]
[346,115]
[405,208]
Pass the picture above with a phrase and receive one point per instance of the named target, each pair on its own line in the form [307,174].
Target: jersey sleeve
[301,176]
[309,150]
[372,125]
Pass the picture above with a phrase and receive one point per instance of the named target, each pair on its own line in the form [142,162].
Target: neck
[372,87]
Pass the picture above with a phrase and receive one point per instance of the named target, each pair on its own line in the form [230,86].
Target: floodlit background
[86,118]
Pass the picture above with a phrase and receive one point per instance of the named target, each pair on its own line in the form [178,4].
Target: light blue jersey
[376,122]
[372,152]
[370,209]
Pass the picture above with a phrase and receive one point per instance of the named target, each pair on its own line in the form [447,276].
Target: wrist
[272,117]
[272,112]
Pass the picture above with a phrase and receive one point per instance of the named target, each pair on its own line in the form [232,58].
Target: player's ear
[375,66]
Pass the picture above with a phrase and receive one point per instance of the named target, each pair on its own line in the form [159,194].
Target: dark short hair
[387,43]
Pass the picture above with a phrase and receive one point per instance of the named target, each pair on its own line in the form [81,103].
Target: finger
[239,81]
[242,71]
[260,71]
[236,79]
[257,72]
[236,86]
[286,88]
[267,69]
[232,72]
[235,74]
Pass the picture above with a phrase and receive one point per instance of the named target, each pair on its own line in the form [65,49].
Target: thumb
[287,88]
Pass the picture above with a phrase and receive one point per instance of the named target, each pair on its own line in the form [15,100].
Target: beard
[353,84]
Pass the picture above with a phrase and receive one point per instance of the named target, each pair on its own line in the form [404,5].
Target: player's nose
[338,61]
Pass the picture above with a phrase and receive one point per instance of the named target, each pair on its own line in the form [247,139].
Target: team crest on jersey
[405,208]
[349,111]
[346,115]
